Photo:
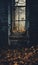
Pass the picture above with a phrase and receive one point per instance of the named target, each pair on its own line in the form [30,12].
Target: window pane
[20,2]
[22,13]
[19,26]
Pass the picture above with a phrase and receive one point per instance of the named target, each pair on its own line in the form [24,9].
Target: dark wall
[3,23]
[34,22]
[33,30]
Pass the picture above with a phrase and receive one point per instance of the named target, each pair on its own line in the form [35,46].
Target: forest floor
[19,56]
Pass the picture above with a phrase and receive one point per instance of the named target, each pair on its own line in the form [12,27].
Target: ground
[19,56]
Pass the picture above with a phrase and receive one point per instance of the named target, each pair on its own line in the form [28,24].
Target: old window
[19,16]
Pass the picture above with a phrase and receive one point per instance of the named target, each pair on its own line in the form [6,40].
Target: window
[19,16]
